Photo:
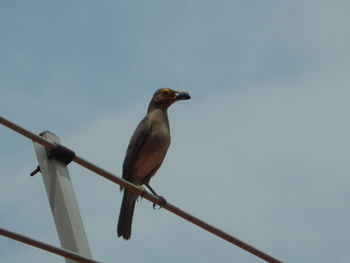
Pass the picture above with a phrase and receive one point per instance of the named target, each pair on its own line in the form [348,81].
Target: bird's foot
[142,190]
[161,198]
[162,202]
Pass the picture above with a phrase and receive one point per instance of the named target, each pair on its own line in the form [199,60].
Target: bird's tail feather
[126,215]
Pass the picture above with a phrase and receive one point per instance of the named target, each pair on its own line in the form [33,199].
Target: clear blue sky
[261,150]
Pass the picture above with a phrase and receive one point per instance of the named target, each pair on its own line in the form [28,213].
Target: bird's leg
[151,189]
[161,198]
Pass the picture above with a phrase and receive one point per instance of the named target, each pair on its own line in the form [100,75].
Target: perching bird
[146,151]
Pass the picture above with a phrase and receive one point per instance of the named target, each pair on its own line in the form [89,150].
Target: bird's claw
[162,202]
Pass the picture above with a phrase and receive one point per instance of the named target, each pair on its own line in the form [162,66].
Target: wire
[58,251]
[140,191]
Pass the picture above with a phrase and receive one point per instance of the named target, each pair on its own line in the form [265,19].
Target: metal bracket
[61,153]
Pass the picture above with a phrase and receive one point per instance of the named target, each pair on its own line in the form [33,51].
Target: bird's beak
[182,95]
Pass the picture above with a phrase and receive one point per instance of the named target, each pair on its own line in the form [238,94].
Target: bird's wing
[139,137]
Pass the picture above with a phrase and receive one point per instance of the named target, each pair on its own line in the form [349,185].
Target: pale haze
[260,151]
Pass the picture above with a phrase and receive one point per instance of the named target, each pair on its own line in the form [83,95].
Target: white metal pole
[62,200]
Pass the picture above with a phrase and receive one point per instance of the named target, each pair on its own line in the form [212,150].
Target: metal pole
[62,200]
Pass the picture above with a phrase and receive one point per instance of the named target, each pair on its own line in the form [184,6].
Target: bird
[146,152]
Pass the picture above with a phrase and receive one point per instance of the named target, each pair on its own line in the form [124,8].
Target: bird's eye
[165,93]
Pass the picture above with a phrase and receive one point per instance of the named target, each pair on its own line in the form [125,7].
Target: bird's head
[164,97]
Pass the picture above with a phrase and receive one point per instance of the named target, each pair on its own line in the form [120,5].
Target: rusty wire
[140,191]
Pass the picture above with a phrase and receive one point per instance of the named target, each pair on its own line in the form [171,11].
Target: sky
[260,151]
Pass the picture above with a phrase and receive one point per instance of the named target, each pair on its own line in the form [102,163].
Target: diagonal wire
[139,191]
[56,250]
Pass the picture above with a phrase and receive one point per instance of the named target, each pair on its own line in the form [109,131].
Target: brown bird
[146,152]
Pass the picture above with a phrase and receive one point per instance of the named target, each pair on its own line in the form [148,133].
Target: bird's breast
[153,152]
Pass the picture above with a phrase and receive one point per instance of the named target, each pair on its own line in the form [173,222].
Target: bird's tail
[126,214]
